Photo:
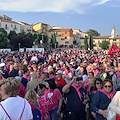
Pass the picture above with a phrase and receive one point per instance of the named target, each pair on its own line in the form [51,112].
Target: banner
[113,50]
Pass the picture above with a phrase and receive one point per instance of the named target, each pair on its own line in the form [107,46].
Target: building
[8,24]
[41,28]
[78,37]
[64,36]
[5,17]
[26,27]
[114,38]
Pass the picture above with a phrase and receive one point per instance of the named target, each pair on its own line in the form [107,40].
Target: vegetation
[86,43]
[104,45]
[91,42]
[53,40]
[3,40]
[92,32]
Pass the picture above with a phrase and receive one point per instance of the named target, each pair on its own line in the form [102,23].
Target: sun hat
[59,72]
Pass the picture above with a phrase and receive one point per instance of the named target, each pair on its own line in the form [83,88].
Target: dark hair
[51,83]
[97,79]
[25,71]
[84,71]
[79,78]
[92,73]
[40,86]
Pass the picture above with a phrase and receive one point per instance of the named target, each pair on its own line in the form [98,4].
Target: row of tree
[13,40]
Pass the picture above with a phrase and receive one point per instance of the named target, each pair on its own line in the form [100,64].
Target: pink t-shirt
[52,98]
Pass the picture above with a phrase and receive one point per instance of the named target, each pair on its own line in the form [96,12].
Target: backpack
[116,82]
[110,74]
[36,114]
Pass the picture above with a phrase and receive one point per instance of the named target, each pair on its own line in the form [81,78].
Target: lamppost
[34,45]
[19,46]
[41,42]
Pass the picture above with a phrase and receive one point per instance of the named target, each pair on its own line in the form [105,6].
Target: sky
[100,15]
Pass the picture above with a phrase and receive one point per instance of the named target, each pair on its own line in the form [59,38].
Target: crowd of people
[69,84]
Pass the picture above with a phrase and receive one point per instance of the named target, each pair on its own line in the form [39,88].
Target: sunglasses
[98,83]
[107,86]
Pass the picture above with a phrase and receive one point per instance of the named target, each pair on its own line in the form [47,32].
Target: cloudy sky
[101,15]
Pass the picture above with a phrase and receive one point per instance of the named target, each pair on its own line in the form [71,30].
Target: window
[62,38]
[114,39]
[11,25]
[66,42]
[14,26]
[6,26]
[65,32]
[65,37]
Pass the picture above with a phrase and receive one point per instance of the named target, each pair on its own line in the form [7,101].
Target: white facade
[78,36]
[114,33]
[26,27]
[9,25]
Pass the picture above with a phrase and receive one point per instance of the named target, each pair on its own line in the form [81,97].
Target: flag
[113,50]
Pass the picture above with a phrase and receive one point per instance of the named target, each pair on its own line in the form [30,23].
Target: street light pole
[34,45]
[19,46]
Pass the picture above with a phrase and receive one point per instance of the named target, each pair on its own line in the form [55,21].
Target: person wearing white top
[115,103]
[13,107]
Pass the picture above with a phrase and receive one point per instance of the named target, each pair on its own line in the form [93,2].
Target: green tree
[104,45]
[11,34]
[3,40]
[3,31]
[91,42]
[86,43]
[22,32]
[92,32]
[31,36]
[53,40]
[23,40]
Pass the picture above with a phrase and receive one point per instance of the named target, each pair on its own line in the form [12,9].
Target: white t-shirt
[85,77]
[14,107]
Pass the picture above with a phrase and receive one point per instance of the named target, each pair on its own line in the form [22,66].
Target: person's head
[31,97]
[34,66]
[59,73]
[97,84]
[40,89]
[78,81]
[50,84]
[90,75]
[44,75]
[83,70]
[94,66]
[67,68]
[51,73]
[108,85]
[16,66]
[9,88]
[26,72]
[50,68]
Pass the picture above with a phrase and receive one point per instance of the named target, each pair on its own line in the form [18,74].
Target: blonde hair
[11,86]
[31,97]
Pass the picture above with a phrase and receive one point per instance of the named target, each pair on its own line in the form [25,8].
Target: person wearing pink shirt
[54,99]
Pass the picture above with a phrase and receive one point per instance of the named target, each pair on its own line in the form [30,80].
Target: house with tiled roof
[26,27]
[64,36]
[8,24]
[41,28]
[113,38]
[78,37]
